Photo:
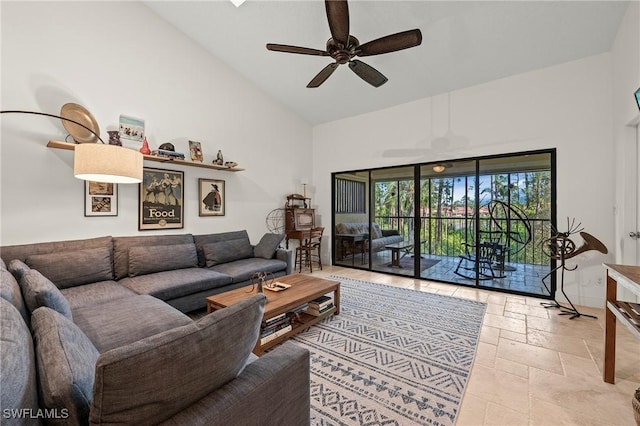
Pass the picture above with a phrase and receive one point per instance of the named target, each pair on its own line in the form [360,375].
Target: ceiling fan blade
[338,17]
[323,75]
[295,49]
[367,73]
[391,43]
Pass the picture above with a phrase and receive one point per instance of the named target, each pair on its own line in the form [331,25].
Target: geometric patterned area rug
[393,356]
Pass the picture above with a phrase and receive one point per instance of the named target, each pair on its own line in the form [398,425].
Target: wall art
[100,199]
[212,197]
[161,199]
[195,149]
[131,128]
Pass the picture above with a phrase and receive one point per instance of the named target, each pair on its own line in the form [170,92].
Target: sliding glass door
[475,222]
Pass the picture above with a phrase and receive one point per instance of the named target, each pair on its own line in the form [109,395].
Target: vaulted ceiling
[464,43]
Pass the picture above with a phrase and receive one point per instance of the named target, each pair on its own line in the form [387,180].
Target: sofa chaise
[85,342]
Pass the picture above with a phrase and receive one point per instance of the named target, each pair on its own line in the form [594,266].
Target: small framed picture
[131,128]
[212,197]
[100,199]
[161,199]
[195,149]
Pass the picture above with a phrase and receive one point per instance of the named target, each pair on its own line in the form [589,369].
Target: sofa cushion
[243,269]
[39,291]
[267,246]
[150,259]
[123,321]
[169,285]
[226,251]
[203,356]
[10,291]
[95,293]
[18,388]
[71,268]
[2,264]
[201,240]
[17,268]
[121,246]
[21,252]
[66,360]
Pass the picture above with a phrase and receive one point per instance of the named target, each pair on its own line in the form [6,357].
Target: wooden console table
[627,313]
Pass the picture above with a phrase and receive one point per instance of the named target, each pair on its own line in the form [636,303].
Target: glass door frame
[417,221]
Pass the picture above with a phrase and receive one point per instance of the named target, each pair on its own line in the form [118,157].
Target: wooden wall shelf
[71,147]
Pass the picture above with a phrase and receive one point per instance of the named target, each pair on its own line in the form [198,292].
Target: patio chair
[486,257]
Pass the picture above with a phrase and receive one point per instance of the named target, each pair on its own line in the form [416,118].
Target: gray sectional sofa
[95,331]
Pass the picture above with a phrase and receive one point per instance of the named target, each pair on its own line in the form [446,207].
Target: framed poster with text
[161,200]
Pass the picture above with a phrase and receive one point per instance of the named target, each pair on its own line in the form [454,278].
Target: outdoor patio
[519,277]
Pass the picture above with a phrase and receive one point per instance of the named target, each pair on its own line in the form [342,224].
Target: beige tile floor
[534,367]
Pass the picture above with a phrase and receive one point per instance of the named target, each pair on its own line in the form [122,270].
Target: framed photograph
[100,199]
[195,149]
[212,197]
[161,200]
[131,128]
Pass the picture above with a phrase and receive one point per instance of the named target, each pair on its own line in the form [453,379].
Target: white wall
[626,80]
[120,58]
[568,107]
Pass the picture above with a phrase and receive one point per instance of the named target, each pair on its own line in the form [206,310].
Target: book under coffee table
[304,288]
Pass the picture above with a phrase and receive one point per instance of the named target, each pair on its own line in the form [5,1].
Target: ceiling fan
[343,47]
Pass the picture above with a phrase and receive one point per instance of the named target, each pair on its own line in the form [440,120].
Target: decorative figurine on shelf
[145,147]
[230,164]
[114,137]
[219,161]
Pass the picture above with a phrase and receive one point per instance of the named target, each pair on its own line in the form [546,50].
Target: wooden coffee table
[304,288]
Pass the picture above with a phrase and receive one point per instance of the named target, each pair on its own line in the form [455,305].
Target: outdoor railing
[445,236]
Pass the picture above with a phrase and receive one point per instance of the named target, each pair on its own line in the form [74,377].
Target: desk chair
[309,250]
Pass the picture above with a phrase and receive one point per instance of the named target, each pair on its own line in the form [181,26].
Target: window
[350,196]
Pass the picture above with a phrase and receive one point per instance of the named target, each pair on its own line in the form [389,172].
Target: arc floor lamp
[100,162]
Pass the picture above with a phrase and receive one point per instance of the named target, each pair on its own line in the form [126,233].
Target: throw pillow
[19,390]
[17,268]
[172,370]
[227,251]
[39,291]
[267,246]
[66,361]
[10,291]
[73,268]
[145,260]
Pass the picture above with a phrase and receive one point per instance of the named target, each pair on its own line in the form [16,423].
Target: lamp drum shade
[107,163]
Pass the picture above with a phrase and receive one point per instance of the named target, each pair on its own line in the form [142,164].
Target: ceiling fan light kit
[343,47]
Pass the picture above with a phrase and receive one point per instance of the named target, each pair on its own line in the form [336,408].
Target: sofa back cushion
[39,291]
[202,240]
[10,291]
[147,260]
[226,251]
[73,268]
[66,361]
[122,245]
[268,245]
[359,228]
[21,252]
[18,388]
[150,380]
